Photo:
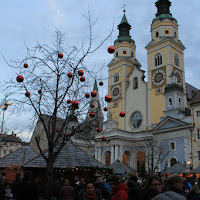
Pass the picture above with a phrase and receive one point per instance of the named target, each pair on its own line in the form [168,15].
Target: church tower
[119,69]
[165,56]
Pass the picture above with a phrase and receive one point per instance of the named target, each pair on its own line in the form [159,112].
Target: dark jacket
[120,192]
[103,190]
[134,190]
[147,193]
[194,196]
[83,197]
[27,190]
[66,193]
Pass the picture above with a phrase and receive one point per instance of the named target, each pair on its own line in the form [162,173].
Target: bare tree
[156,153]
[51,82]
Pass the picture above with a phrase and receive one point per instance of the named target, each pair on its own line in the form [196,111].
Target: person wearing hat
[119,190]
[99,184]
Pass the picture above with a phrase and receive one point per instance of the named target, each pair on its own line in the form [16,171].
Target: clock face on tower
[158,77]
[116,91]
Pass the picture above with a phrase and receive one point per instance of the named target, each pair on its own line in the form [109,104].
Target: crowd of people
[153,187]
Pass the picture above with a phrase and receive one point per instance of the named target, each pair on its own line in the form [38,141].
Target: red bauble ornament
[69,74]
[60,55]
[91,114]
[108,98]
[87,95]
[27,94]
[122,114]
[190,153]
[68,134]
[98,130]
[92,105]
[69,101]
[80,72]
[39,91]
[93,94]
[103,138]
[105,109]
[190,156]
[75,104]
[194,139]
[25,65]
[184,146]
[57,130]
[82,79]
[111,49]
[20,78]
[100,83]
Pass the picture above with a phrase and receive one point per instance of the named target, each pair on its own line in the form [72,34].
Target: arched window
[136,119]
[173,162]
[170,102]
[179,101]
[135,83]
[158,59]
[108,158]
[116,77]
[176,59]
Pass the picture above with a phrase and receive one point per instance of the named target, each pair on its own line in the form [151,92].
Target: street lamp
[189,162]
[4,106]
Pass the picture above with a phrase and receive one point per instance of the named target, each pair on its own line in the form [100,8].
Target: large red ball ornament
[20,78]
[111,49]
[105,109]
[27,94]
[92,105]
[75,104]
[69,75]
[68,134]
[98,130]
[80,72]
[93,94]
[87,95]
[194,139]
[91,114]
[69,101]
[82,79]
[108,98]
[60,55]
[122,114]
[103,138]
[25,65]
[190,156]
[101,83]
[39,91]
[190,153]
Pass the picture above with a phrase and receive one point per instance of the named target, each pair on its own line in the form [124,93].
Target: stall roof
[120,168]
[178,168]
[70,156]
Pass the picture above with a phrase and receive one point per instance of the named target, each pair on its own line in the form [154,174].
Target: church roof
[95,85]
[196,99]
[18,157]
[173,87]
[70,156]
[191,91]
[124,20]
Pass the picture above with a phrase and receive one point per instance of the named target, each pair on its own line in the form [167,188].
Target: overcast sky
[31,21]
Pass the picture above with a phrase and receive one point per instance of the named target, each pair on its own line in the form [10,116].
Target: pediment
[169,123]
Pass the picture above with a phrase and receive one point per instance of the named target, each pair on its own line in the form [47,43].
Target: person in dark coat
[99,184]
[90,193]
[152,188]
[66,192]
[15,183]
[27,190]
[194,193]
[78,186]
[134,189]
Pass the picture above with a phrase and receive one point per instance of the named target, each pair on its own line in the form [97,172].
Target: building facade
[161,122]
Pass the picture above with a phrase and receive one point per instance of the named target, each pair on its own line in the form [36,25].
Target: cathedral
[150,124]
[161,125]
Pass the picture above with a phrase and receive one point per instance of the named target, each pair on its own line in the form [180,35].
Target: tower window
[124,52]
[131,54]
[116,77]
[198,113]
[198,134]
[176,59]
[166,31]
[175,34]
[116,54]
[170,102]
[179,101]
[157,34]
[135,83]
[172,145]
[158,59]
[136,119]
